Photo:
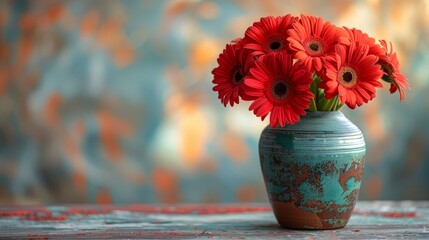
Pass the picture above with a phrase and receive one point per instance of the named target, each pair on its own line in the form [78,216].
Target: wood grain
[370,220]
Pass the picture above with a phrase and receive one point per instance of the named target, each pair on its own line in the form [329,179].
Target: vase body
[313,170]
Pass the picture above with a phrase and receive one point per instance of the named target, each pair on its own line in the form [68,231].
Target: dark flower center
[387,72]
[280,89]
[275,45]
[314,47]
[237,75]
[347,77]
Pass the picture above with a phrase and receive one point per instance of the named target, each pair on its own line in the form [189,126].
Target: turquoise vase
[313,170]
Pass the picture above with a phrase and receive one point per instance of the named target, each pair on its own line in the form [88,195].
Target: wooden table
[370,220]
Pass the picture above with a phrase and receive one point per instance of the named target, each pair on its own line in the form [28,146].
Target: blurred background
[111,101]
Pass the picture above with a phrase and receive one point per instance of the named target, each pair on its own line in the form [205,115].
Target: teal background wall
[111,101]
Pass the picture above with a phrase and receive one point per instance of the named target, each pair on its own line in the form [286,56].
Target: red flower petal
[234,63]
[354,77]
[286,92]
[268,35]
[313,41]
[390,64]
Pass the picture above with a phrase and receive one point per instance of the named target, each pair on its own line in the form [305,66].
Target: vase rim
[314,116]
[322,113]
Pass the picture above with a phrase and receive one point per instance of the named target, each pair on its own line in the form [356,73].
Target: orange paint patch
[28,21]
[89,23]
[4,51]
[111,129]
[165,183]
[4,17]
[4,75]
[235,147]
[246,193]
[52,109]
[25,47]
[79,180]
[110,34]
[54,13]
[291,216]
[71,147]
[175,8]
[104,196]
[373,187]
[124,55]
[164,180]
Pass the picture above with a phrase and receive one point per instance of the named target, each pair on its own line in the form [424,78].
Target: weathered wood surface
[370,220]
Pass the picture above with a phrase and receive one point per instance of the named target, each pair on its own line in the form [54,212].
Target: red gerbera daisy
[238,41]
[357,36]
[268,35]
[234,63]
[280,88]
[313,41]
[390,64]
[353,76]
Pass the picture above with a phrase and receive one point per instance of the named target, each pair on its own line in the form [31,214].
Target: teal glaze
[313,170]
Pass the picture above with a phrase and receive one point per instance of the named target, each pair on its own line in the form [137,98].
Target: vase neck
[323,114]
[321,121]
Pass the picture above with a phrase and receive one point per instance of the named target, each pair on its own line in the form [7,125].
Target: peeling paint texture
[313,170]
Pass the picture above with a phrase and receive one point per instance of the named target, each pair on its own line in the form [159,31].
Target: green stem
[313,88]
[313,106]
[334,103]
[339,106]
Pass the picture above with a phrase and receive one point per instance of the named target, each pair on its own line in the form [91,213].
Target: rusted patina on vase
[313,170]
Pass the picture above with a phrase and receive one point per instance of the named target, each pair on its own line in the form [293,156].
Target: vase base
[292,217]
[309,227]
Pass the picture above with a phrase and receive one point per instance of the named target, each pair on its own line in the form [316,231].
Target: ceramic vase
[313,170]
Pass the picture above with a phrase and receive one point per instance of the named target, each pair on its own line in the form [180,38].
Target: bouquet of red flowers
[290,65]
